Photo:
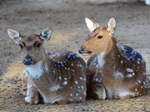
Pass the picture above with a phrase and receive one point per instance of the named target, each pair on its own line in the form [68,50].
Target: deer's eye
[37,44]
[99,37]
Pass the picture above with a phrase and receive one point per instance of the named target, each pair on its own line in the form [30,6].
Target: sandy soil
[69,32]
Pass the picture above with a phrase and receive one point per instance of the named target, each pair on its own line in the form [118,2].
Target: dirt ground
[69,32]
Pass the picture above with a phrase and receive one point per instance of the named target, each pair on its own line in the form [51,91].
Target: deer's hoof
[31,101]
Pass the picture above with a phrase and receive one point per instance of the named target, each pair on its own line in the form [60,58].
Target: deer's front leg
[32,95]
[24,82]
[30,91]
[101,92]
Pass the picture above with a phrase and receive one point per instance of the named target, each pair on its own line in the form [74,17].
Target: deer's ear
[14,35]
[46,34]
[111,25]
[91,25]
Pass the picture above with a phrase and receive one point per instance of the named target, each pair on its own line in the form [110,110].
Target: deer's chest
[36,70]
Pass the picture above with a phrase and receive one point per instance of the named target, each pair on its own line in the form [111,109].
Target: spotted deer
[57,77]
[114,71]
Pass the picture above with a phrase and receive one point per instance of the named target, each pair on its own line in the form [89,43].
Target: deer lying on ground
[114,71]
[57,77]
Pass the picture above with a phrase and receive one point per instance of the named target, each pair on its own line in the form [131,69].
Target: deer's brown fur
[114,71]
[57,77]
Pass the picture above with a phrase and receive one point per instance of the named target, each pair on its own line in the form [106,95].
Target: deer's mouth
[84,52]
[28,60]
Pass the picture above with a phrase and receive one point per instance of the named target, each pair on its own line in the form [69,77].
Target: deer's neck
[110,56]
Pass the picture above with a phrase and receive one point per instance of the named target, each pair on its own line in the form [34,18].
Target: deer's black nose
[81,50]
[27,60]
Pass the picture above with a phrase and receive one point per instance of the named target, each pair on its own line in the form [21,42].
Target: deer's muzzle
[84,51]
[28,60]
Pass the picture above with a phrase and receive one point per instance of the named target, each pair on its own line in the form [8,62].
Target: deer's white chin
[35,70]
[85,54]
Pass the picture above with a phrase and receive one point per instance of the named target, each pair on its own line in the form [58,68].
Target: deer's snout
[28,60]
[81,50]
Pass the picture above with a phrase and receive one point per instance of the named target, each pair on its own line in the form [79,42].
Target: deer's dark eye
[37,44]
[99,37]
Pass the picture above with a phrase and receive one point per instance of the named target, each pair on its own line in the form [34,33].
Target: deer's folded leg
[31,92]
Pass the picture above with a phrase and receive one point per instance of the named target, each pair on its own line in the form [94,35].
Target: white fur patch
[101,60]
[104,94]
[118,75]
[35,70]
[99,93]
[46,67]
[27,99]
[52,99]
[14,35]
[54,88]
[129,70]
[90,24]
[125,93]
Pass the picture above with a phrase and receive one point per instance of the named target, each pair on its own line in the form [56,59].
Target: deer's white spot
[82,87]
[84,93]
[54,71]
[129,70]
[65,83]
[80,98]
[79,65]
[101,60]
[139,81]
[59,78]
[73,70]
[118,75]
[70,87]
[54,88]
[97,79]
[81,78]
[77,94]
[121,61]
[136,89]
[138,62]
[76,82]
[84,79]
[65,78]
[35,70]
[130,75]
[71,94]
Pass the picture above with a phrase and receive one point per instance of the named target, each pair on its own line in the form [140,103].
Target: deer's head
[100,38]
[31,45]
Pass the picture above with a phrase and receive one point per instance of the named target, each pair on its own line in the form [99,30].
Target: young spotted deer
[114,71]
[57,77]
